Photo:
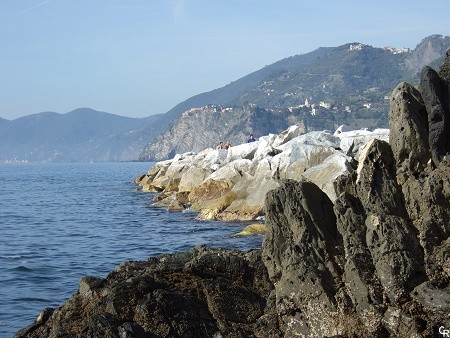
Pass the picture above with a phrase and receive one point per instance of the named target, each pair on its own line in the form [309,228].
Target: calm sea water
[59,222]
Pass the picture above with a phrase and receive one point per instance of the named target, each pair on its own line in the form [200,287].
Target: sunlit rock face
[232,184]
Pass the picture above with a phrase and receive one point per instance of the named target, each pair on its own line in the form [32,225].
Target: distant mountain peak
[430,49]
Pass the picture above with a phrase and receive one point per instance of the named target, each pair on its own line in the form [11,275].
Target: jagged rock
[397,262]
[434,223]
[408,123]
[360,277]
[200,293]
[352,141]
[444,72]
[89,286]
[303,254]
[389,273]
[425,189]
[361,273]
[435,94]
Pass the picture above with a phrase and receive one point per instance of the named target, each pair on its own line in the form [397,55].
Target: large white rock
[213,159]
[318,138]
[266,148]
[180,164]
[231,172]
[192,178]
[287,135]
[242,151]
[303,152]
[314,155]
[324,174]
[160,179]
[250,197]
[351,142]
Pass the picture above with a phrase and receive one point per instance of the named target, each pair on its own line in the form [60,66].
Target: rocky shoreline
[365,253]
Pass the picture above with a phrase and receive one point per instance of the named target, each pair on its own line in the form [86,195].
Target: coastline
[372,261]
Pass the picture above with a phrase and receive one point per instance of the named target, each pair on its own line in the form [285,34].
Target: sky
[142,57]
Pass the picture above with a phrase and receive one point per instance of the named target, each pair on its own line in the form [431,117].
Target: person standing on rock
[227,145]
[219,146]
[251,139]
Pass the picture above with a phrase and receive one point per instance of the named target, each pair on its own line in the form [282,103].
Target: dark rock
[397,262]
[89,286]
[444,72]
[376,183]
[303,254]
[199,293]
[434,223]
[435,94]
[408,124]
[131,330]
[360,275]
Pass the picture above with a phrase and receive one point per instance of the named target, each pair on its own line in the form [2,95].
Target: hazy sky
[137,58]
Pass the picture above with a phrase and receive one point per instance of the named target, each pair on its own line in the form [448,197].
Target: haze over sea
[60,222]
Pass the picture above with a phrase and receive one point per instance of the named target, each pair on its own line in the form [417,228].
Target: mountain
[232,91]
[348,84]
[81,135]
[324,63]
[430,51]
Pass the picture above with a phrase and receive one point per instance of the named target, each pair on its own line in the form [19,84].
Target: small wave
[21,268]
[15,257]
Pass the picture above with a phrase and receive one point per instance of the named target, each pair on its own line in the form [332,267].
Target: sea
[62,221]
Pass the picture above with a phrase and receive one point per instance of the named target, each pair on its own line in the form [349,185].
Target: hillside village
[365,105]
[367,101]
